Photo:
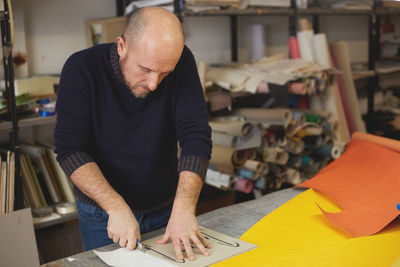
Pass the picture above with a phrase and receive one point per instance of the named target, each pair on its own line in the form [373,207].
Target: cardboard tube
[274,116]
[222,139]
[293,176]
[276,155]
[222,155]
[235,128]
[340,52]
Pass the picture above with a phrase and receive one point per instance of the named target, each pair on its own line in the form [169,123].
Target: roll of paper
[340,52]
[244,185]
[218,179]
[273,116]
[222,155]
[293,176]
[304,39]
[320,50]
[275,155]
[294,48]
[258,42]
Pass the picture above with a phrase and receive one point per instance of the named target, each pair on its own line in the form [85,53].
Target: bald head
[157,22]
[150,48]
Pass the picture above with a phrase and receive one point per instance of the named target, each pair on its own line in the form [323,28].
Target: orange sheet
[386,142]
[365,183]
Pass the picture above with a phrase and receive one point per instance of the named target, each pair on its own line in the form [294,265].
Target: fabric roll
[313,140]
[260,184]
[273,116]
[218,179]
[235,128]
[219,100]
[306,161]
[304,39]
[253,165]
[293,176]
[298,88]
[294,147]
[299,117]
[275,155]
[326,151]
[247,174]
[244,185]
[294,48]
[222,155]
[223,139]
[240,157]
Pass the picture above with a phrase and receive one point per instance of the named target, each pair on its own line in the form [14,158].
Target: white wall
[55,29]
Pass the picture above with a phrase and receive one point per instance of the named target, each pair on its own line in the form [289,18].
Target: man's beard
[131,86]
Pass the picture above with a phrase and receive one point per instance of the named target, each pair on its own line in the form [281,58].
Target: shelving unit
[8,64]
[374,19]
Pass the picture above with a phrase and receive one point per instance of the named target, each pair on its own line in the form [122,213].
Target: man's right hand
[123,227]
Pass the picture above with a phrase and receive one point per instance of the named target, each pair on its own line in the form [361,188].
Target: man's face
[145,65]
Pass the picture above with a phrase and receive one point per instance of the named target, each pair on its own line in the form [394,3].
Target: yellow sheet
[297,234]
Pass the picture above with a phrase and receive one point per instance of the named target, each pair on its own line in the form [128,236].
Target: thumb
[164,239]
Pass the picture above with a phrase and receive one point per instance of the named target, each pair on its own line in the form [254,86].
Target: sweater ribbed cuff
[194,164]
[74,161]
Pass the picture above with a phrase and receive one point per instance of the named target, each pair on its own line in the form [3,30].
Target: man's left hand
[183,228]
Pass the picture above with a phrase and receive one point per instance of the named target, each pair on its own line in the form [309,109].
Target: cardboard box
[104,30]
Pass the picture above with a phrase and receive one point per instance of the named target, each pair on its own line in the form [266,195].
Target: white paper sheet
[124,257]
[223,247]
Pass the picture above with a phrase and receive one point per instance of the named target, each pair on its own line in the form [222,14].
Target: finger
[116,238]
[204,241]
[110,233]
[164,239]
[122,242]
[177,248]
[188,249]
[131,244]
[200,246]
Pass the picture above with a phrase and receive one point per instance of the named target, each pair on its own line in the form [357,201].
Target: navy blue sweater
[133,140]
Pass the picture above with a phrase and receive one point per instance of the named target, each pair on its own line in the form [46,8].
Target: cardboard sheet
[223,247]
[297,234]
[364,182]
[17,241]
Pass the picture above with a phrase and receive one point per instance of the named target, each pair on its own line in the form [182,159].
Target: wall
[55,29]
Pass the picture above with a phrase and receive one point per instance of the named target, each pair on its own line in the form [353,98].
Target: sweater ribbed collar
[114,59]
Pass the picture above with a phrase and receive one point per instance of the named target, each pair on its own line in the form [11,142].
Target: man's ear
[121,45]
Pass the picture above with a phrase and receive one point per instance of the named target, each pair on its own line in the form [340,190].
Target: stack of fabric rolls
[262,149]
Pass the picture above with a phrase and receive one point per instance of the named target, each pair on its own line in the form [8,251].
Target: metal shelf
[242,12]
[334,12]
[29,122]
[64,218]
[290,11]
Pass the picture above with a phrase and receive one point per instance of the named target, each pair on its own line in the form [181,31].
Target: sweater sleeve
[73,131]
[191,118]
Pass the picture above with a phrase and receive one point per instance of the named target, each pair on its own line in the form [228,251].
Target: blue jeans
[93,224]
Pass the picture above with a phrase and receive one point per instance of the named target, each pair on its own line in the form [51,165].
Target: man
[121,110]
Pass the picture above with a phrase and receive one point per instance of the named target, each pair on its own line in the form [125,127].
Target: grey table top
[233,220]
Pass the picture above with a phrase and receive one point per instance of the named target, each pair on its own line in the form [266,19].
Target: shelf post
[234,38]
[8,63]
